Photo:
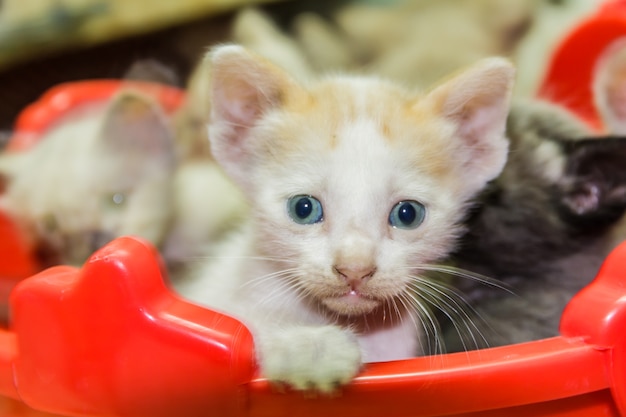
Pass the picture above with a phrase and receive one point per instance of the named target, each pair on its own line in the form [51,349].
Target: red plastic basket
[111,339]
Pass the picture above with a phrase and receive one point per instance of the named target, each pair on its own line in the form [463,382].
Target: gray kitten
[541,228]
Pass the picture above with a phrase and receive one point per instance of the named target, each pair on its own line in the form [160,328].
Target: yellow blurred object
[34,27]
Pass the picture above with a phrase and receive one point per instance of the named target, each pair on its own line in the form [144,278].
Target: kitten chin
[355,186]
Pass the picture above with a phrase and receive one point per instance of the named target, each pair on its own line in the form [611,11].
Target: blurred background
[45,42]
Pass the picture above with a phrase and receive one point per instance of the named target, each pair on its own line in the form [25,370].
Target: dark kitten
[542,227]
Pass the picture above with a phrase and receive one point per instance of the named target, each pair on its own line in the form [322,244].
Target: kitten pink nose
[355,276]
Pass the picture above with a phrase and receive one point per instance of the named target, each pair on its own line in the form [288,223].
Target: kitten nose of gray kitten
[356,275]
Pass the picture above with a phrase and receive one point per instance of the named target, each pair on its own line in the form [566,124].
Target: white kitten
[356,187]
[111,169]
[100,172]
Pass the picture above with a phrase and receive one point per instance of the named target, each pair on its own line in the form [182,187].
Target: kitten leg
[306,357]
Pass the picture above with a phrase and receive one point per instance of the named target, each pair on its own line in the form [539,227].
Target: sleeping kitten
[356,187]
[542,227]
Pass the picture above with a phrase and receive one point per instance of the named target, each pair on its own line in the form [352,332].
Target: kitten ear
[593,189]
[476,103]
[154,71]
[609,86]
[244,88]
[136,126]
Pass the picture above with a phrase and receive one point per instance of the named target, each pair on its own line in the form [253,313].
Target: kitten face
[359,170]
[341,173]
[95,176]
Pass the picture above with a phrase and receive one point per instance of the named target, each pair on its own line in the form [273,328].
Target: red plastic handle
[111,339]
[16,261]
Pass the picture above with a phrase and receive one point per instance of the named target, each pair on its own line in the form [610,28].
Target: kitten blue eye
[304,209]
[118,198]
[407,215]
[114,200]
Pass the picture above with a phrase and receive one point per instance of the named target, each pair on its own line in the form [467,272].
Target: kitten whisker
[277,300]
[429,325]
[286,273]
[443,293]
[409,310]
[246,258]
[463,273]
[454,307]
[231,123]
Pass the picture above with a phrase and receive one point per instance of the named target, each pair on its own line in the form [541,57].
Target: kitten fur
[542,228]
[322,298]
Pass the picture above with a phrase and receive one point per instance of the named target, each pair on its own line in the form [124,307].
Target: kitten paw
[310,358]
